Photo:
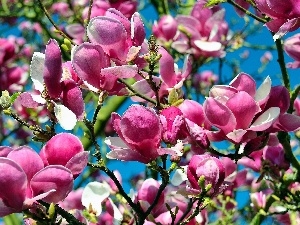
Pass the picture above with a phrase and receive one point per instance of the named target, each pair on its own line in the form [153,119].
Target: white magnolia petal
[115,142]
[209,46]
[65,117]
[179,176]
[265,120]
[38,99]
[36,70]
[264,89]
[94,194]
[118,217]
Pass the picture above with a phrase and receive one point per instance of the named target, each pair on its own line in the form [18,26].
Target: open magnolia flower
[46,71]
[139,131]
[24,179]
[239,111]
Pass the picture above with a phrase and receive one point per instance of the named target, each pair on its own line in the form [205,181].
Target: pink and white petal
[36,68]
[288,122]
[236,135]
[124,71]
[55,177]
[13,183]
[116,14]
[27,159]
[143,87]
[244,82]
[262,93]
[52,72]
[288,26]
[219,115]
[138,33]
[265,120]
[88,60]
[27,101]
[77,163]
[244,108]
[93,195]
[110,33]
[126,155]
[176,150]
[222,92]
[65,117]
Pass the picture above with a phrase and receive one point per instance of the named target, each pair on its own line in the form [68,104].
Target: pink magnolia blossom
[13,79]
[24,179]
[139,131]
[211,169]
[285,15]
[174,127]
[207,31]
[116,34]
[59,86]
[65,149]
[238,110]
[165,29]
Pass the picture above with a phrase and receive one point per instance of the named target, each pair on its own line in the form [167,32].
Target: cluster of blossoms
[164,126]
[203,33]
[27,176]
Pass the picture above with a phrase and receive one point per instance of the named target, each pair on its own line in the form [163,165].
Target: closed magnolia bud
[208,167]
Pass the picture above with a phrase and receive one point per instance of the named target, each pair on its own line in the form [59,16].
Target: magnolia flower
[208,167]
[139,131]
[65,149]
[285,15]
[238,110]
[24,179]
[47,69]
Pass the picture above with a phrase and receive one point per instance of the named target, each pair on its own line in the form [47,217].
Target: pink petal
[279,97]
[5,150]
[288,122]
[72,97]
[27,101]
[125,71]
[222,92]
[27,159]
[166,68]
[219,115]
[288,26]
[110,34]
[244,108]
[53,69]
[56,153]
[244,82]
[13,184]
[88,60]
[78,162]
[138,33]
[52,177]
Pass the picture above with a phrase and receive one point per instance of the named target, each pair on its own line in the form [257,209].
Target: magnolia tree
[86,84]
